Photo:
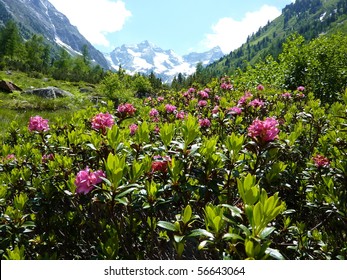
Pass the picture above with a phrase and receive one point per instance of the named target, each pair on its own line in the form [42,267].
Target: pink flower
[8,158]
[256,103]
[226,86]
[133,127]
[37,123]
[215,110]
[160,164]
[46,158]
[243,100]
[264,130]
[157,129]
[126,109]
[102,121]
[153,113]
[300,88]
[202,103]
[286,95]
[300,95]
[235,111]
[181,115]
[191,90]
[205,123]
[160,98]
[260,87]
[86,180]
[203,94]
[321,161]
[170,108]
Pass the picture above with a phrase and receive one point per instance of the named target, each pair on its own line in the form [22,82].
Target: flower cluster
[235,111]
[321,161]
[170,108]
[86,180]
[133,127]
[205,123]
[126,109]
[102,121]
[265,131]
[203,94]
[38,123]
[244,99]
[256,103]
[160,164]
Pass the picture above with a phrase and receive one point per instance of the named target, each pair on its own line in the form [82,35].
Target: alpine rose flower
[286,95]
[133,127]
[153,113]
[243,100]
[170,108]
[160,164]
[204,123]
[86,180]
[215,110]
[256,103]
[126,109]
[300,88]
[260,87]
[102,121]
[203,94]
[180,115]
[226,86]
[38,123]
[264,130]
[321,161]
[202,103]
[235,111]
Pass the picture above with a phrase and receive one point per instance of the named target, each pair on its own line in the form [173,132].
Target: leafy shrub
[232,179]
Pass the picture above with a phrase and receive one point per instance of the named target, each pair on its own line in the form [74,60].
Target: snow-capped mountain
[41,17]
[146,57]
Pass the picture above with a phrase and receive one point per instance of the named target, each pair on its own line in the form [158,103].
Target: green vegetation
[251,165]
[308,18]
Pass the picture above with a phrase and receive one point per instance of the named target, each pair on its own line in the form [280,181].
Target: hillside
[309,18]
[40,17]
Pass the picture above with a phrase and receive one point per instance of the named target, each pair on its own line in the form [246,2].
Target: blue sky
[181,25]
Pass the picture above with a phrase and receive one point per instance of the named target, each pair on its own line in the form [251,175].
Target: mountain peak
[146,57]
[42,18]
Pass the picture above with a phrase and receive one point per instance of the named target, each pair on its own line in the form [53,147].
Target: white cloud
[94,18]
[230,34]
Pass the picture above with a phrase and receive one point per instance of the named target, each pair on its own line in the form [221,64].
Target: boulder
[8,86]
[49,92]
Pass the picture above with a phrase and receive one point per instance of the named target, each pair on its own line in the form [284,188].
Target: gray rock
[49,92]
[8,86]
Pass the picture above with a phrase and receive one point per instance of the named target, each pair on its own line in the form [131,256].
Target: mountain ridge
[41,17]
[309,18]
[146,57]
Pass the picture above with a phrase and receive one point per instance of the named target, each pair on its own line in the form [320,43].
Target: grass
[20,107]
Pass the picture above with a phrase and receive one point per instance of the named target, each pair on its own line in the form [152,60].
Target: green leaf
[187,214]
[233,236]
[167,225]
[258,215]
[178,238]
[249,247]
[200,232]
[274,253]
[266,232]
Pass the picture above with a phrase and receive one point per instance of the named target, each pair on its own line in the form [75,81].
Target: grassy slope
[277,32]
[18,107]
